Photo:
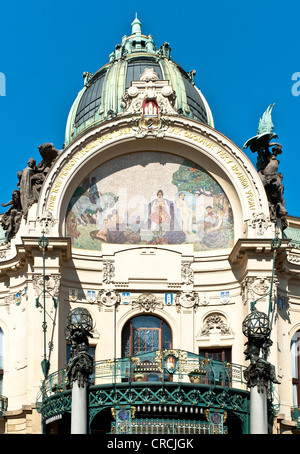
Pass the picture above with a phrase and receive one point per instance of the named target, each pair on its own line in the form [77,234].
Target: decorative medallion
[52,284]
[47,222]
[108,299]
[260,223]
[261,286]
[188,299]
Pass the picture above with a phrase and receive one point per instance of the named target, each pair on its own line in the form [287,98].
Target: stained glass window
[144,334]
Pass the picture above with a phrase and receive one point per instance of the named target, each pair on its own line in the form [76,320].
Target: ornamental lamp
[256,325]
[43,242]
[79,319]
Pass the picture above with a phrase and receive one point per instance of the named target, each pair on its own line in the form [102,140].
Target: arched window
[295,364]
[145,333]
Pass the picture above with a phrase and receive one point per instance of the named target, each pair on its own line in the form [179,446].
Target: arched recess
[223,160]
[145,333]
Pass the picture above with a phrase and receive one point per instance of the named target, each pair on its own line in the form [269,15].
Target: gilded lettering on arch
[225,156]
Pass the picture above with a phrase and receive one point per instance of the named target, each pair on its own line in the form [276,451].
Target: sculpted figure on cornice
[30,181]
[11,219]
[267,166]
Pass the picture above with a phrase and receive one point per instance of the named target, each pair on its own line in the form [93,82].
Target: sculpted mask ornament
[259,223]
[151,98]
[147,302]
[47,222]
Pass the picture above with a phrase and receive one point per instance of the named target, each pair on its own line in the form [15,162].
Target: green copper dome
[101,96]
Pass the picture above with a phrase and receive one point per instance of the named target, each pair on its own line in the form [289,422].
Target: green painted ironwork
[45,364]
[213,385]
[295,415]
[156,426]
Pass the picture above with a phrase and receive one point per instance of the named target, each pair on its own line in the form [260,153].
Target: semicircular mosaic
[150,198]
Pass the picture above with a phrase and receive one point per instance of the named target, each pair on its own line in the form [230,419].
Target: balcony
[164,385]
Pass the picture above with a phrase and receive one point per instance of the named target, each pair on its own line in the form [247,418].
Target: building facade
[163,230]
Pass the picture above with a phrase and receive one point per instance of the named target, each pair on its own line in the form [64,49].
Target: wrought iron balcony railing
[295,415]
[175,366]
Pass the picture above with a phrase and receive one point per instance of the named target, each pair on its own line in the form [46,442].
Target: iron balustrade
[171,378]
[154,367]
[295,415]
[169,426]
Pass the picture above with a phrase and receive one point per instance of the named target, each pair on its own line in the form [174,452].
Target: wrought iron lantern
[78,330]
[79,319]
[256,325]
[43,242]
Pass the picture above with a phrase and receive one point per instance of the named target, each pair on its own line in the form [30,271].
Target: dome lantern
[101,96]
[136,26]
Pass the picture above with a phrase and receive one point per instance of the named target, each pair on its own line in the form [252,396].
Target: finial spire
[136,26]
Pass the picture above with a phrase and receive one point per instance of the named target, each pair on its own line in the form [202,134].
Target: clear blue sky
[244,54]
